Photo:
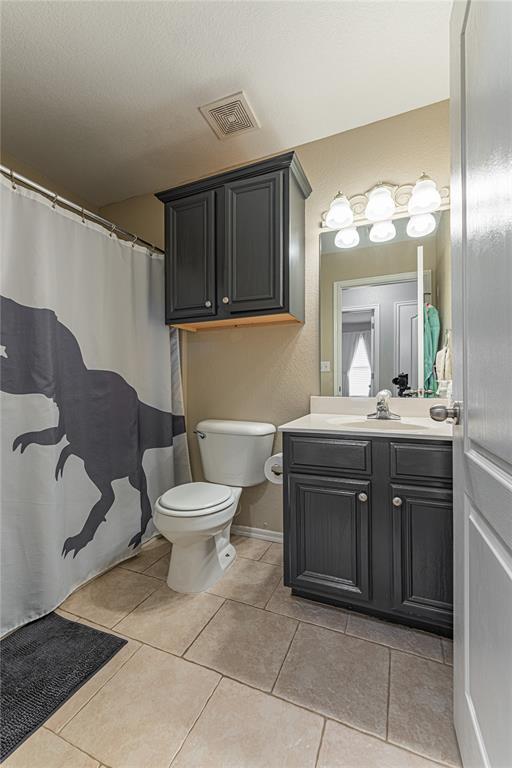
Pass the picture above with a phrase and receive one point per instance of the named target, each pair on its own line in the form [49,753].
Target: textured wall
[269,373]
[45,180]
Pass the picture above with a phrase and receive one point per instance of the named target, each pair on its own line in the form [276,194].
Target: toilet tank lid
[231,427]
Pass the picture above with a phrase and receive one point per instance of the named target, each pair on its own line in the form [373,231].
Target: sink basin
[392,425]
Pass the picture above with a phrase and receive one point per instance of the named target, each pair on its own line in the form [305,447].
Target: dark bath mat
[42,665]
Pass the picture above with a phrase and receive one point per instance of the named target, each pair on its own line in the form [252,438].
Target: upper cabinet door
[190,253]
[252,277]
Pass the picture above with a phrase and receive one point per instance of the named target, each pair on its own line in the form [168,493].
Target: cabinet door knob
[208,304]
[362,497]
[397,501]
[225,300]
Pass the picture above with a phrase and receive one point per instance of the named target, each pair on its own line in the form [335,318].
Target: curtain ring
[12,179]
[82,215]
[135,238]
[112,230]
[54,201]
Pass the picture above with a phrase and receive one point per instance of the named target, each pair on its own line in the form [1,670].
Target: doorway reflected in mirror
[384,324]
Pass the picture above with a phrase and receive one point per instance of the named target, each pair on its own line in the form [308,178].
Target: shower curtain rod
[84,213]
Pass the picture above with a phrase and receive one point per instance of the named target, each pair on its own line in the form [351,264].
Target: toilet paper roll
[274,469]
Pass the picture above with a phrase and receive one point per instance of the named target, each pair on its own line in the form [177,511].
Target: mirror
[385,314]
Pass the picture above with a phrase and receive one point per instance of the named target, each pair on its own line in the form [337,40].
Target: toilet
[196,517]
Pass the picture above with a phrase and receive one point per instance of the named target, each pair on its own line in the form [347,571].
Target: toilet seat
[195,499]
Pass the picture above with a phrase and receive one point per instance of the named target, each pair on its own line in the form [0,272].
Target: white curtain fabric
[349,341]
[91,402]
[367,341]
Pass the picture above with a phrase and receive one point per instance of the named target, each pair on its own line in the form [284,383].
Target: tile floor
[246,676]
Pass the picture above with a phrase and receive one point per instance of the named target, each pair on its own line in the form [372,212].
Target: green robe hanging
[431,329]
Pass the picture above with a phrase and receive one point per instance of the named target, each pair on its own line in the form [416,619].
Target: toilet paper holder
[276,469]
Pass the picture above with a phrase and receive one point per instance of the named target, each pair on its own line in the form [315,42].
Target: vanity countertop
[353,424]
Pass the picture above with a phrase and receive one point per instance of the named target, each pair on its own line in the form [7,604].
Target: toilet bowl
[196,517]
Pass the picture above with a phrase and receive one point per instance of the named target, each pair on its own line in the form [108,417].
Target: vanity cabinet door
[190,257]
[327,536]
[252,277]
[422,553]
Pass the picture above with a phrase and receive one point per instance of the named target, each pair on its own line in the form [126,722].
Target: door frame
[375,336]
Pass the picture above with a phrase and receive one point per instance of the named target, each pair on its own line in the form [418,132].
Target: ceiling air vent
[230,116]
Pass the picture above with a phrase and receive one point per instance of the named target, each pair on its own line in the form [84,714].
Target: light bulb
[425,197]
[421,225]
[340,213]
[382,231]
[347,238]
[381,205]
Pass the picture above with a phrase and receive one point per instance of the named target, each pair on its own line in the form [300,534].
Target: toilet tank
[234,452]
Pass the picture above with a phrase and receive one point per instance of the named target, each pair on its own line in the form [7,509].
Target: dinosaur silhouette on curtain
[103,420]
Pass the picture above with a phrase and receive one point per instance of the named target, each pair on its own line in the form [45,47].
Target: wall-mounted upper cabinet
[234,246]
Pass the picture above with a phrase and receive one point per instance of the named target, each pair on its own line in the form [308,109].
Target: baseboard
[257,533]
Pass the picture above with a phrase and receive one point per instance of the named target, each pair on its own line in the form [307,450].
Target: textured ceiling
[103,96]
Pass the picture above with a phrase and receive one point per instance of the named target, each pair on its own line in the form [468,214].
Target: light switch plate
[325,366]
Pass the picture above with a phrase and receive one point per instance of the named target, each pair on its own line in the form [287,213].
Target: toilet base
[199,564]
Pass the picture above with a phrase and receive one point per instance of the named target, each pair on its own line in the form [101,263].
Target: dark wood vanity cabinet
[368,525]
[235,246]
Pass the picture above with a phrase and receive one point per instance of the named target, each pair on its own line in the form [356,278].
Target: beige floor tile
[246,643]
[282,601]
[420,708]
[343,747]
[248,581]
[107,599]
[45,749]
[395,636]
[170,620]
[448,652]
[84,694]
[244,728]
[249,547]
[274,554]
[160,569]
[342,677]
[151,551]
[143,714]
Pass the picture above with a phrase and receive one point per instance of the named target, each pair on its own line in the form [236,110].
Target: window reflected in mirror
[385,314]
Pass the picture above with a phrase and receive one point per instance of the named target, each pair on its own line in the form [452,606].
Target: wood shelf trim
[235,322]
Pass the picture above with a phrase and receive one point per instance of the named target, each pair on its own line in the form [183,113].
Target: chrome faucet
[383,412]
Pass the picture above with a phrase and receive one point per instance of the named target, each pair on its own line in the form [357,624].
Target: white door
[481,103]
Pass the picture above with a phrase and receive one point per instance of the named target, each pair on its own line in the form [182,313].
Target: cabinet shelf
[237,322]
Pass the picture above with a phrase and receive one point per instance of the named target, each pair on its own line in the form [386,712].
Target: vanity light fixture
[382,231]
[421,225]
[340,213]
[347,238]
[381,205]
[425,196]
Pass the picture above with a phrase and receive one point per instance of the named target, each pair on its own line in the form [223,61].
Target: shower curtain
[91,402]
